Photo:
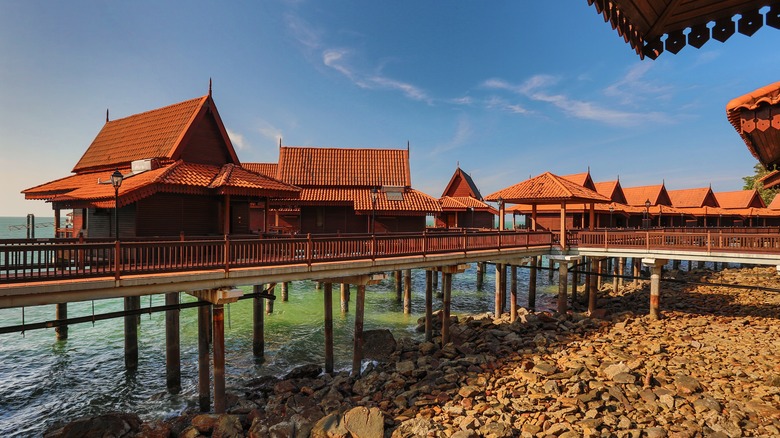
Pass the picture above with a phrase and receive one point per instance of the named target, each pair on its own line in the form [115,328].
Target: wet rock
[378,344]
[117,425]
[227,426]
[310,371]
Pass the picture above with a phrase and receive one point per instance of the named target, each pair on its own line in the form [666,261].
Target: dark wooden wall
[205,145]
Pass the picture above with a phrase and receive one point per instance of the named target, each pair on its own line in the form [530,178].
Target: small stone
[404,367]
[686,385]
[624,378]
[615,369]
[655,432]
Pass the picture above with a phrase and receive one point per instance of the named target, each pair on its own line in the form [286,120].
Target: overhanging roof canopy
[756,117]
[643,23]
[546,188]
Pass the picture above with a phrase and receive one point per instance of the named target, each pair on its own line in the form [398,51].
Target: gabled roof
[775,204]
[461,185]
[546,188]
[740,199]
[756,117]
[463,203]
[656,194]
[269,169]
[642,23]
[691,198]
[93,188]
[161,133]
[612,190]
[339,167]
[582,179]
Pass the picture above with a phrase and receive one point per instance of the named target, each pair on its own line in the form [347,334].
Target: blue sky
[507,89]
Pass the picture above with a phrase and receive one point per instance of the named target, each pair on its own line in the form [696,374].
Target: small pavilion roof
[268,169]
[546,188]
[612,190]
[342,167]
[94,188]
[656,194]
[740,199]
[756,117]
[775,204]
[157,134]
[463,203]
[582,179]
[698,197]
[461,185]
[642,23]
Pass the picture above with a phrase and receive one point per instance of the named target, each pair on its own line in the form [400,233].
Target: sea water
[45,382]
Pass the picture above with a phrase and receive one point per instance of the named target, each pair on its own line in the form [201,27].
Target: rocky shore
[710,367]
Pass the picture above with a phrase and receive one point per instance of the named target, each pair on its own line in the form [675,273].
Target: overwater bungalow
[462,205]
[349,191]
[171,171]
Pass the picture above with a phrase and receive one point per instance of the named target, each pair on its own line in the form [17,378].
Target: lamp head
[116,179]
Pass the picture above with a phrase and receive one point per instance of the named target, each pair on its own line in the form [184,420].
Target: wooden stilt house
[179,175]
[351,191]
[462,205]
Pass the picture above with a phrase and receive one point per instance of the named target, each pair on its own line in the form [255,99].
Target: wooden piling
[429,305]
[574,281]
[60,313]
[219,358]
[689,265]
[204,388]
[172,344]
[408,292]
[593,292]
[269,304]
[636,262]
[513,295]
[621,271]
[344,297]
[563,274]
[497,304]
[587,265]
[551,265]
[615,277]
[258,324]
[503,288]
[600,274]
[480,274]
[532,283]
[285,292]
[399,288]
[655,292]
[436,281]
[327,297]
[676,265]
[131,336]
[445,321]
[357,349]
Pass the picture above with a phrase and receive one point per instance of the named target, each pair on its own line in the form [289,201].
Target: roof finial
[280,142]
[106,115]
[458,164]
[407,145]
[209,87]
[589,169]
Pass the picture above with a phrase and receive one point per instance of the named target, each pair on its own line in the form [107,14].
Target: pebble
[705,369]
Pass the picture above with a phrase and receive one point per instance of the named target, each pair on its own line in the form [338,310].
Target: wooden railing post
[308,248]
[117,259]
[647,241]
[227,253]
[465,236]
[499,239]
[709,244]
[425,242]
[373,246]
[606,240]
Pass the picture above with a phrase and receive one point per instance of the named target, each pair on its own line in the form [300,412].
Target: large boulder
[378,345]
[363,422]
[114,425]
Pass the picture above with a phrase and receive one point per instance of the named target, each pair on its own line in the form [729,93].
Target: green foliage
[752,182]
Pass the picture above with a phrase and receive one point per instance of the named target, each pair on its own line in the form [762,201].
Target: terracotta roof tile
[775,204]
[582,179]
[269,169]
[739,199]
[310,166]
[461,184]
[755,118]
[546,188]
[414,202]
[685,198]
[637,196]
[151,134]
[462,203]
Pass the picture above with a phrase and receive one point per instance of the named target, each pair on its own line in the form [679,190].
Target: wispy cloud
[536,88]
[461,136]
[495,102]
[269,131]
[238,140]
[303,32]
[635,87]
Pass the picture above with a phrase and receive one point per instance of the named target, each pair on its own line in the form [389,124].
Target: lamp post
[116,181]
[471,209]
[611,210]
[500,214]
[647,214]
[374,193]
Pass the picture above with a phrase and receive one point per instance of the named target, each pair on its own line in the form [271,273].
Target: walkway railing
[709,241]
[53,259]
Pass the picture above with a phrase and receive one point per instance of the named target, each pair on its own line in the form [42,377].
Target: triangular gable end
[663,197]
[461,185]
[206,140]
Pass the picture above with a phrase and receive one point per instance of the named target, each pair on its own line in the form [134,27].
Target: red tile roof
[177,177]
[612,190]
[310,166]
[545,189]
[582,179]
[690,198]
[461,185]
[158,133]
[414,202]
[269,169]
[739,199]
[775,204]
[637,196]
[756,119]
[463,203]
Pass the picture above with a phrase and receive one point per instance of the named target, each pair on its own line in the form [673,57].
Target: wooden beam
[218,296]
[364,280]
